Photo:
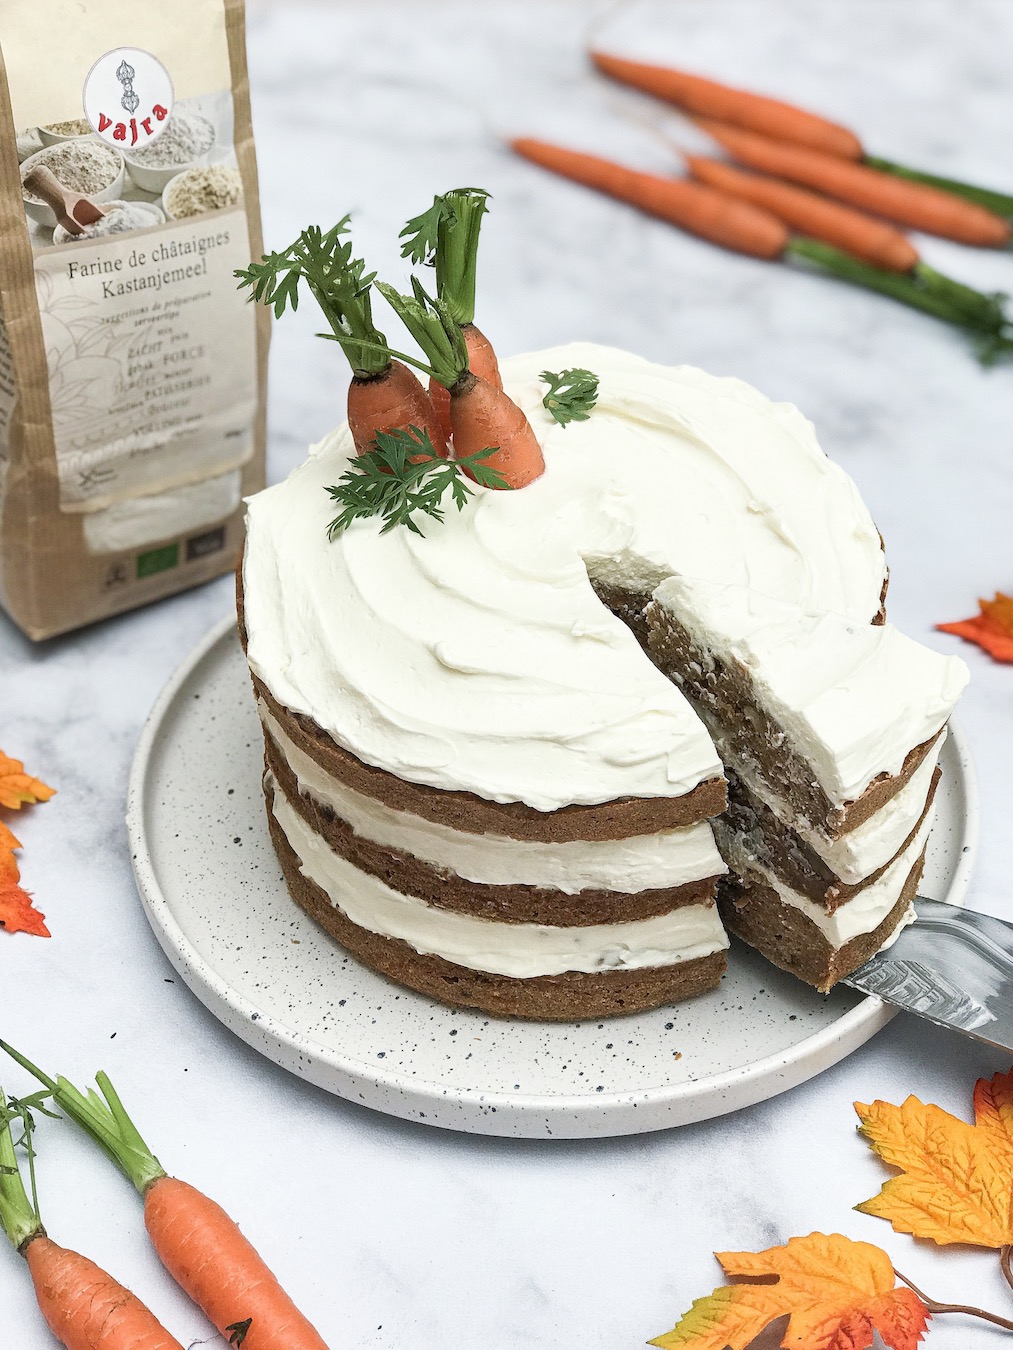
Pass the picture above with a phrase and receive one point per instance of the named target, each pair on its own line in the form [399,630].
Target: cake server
[953,967]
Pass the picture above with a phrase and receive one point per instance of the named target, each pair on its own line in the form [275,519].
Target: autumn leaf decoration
[17,789]
[991,629]
[835,1292]
[956,1180]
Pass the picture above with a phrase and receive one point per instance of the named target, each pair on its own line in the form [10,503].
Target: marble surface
[391,1234]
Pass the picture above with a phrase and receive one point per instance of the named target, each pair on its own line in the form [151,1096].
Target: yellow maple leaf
[18,788]
[956,1179]
[837,1294]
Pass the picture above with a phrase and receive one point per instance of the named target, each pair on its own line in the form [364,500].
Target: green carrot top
[338,282]
[446,236]
[104,1118]
[19,1214]
[434,328]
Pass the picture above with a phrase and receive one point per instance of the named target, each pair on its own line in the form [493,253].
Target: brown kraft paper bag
[132,371]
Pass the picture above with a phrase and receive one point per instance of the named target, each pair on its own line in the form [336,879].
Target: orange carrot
[207,1255]
[85,1308]
[913,204]
[196,1241]
[390,401]
[481,361]
[708,98]
[481,416]
[694,207]
[809,213]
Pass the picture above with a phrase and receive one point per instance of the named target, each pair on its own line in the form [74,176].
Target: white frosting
[521,950]
[479,657]
[852,698]
[865,910]
[644,862]
[865,849]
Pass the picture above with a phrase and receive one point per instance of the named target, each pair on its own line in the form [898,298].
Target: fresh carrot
[914,204]
[194,1238]
[482,417]
[872,240]
[446,237]
[84,1307]
[383,395]
[692,206]
[708,98]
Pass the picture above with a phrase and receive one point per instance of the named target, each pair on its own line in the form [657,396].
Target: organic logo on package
[128,97]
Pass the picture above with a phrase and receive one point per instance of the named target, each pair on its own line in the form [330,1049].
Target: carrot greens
[338,282]
[19,1214]
[403,474]
[446,237]
[572,394]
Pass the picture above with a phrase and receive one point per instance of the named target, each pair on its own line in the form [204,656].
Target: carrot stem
[999,202]
[105,1120]
[19,1216]
[983,318]
[434,328]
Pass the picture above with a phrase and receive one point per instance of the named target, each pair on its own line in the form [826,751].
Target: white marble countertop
[391,1234]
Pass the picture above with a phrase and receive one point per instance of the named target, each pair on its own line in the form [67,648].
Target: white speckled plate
[216,899]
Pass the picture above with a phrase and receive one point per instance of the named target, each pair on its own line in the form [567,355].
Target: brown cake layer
[574,996]
[779,848]
[619,819]
[504,903]
[756,913]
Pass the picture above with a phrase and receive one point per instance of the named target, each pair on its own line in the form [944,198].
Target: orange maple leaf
[18,788]
[992,629]
[956,1179]
[837,1294]
[17,913]
[7,840]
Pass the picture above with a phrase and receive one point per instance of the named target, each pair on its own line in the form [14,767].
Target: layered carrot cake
[540,758]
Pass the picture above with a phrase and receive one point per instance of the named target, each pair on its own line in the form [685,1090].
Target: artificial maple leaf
[7,840]
[956,1181]
[17,913]
[992,629]
[9,871]
[18,788]
[837,1294]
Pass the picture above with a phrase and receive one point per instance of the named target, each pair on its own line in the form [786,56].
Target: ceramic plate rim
[864,1020]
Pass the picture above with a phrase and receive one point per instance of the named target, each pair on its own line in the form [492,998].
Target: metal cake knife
[953,967]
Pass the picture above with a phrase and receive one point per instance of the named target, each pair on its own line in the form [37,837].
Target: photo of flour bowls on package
[188,170]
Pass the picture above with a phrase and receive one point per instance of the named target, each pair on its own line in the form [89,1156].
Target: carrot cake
[541,757]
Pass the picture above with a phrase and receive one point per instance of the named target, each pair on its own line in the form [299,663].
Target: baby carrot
[482,417]
[193,1237]
[812,214]
[692,206]
[383,395]
[708,98]
[446,236]
[914,204]
[84,1307]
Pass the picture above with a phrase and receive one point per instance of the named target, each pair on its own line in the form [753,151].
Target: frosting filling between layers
[637,863]
[864,912]
[519,950]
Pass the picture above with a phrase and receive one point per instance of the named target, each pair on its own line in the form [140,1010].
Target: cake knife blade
[953,966]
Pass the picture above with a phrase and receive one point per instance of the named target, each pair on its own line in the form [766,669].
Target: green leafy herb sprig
[338,282]
[572,395]
[401,474]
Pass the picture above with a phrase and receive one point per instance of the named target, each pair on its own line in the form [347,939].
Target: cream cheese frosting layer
[479,658]
[866,909]
[520,950]
[638,863]
[852,698]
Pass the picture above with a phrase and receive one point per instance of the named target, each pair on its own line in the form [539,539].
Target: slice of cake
[493,749]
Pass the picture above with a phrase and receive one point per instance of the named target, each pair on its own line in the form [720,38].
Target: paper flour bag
[132,371]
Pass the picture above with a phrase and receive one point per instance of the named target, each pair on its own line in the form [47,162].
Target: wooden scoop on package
[72,210]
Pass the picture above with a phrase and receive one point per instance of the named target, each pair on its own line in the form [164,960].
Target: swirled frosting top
[478,657]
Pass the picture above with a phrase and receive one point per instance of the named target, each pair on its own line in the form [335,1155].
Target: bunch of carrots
[806,190]
[196,1241]
[465,412]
